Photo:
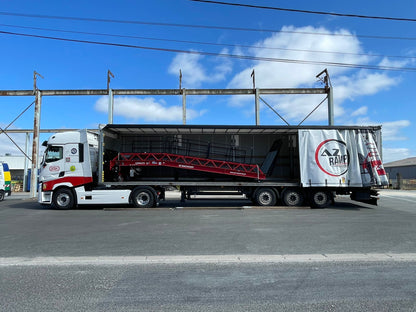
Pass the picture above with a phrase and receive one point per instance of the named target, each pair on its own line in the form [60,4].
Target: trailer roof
[219,129]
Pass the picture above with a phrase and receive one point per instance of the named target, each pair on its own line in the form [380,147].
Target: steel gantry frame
[257,92]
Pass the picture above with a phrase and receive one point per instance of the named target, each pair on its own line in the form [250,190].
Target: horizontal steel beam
[41,131]
[294,91]
[165,92]
[17,93]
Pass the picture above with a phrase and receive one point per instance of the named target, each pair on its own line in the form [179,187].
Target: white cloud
[391,130]
[361,111]
[194,73]
[347,84]
[361,83]
[397,63]
[393,154]
[295,46]
[146,109]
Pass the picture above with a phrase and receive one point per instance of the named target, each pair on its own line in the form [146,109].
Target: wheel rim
[143,198]
[63,199]
[320,198]
[293,198]
[265,198]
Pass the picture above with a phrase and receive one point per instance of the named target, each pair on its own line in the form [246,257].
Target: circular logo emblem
[54,168]
[332,157]
[74,151]
[72,168]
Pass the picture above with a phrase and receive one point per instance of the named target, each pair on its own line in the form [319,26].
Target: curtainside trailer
[136,164]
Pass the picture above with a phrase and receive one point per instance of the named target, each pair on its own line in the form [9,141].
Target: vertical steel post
[257,106]
[25,165]
[184,106]
[330,106]
[110,98]
[110,106]
[35,146]
[101,155]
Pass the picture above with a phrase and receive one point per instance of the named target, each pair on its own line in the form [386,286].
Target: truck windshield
[53,153]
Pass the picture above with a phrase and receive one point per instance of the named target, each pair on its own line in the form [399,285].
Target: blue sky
[361,96]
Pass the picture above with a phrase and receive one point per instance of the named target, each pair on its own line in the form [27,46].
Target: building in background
[402,173]
[17,170]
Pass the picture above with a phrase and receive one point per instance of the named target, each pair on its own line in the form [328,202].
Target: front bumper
[44,197]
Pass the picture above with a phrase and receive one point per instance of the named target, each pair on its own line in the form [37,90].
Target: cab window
[53,153]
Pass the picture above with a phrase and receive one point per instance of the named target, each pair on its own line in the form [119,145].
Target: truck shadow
[193,204]
[349,206]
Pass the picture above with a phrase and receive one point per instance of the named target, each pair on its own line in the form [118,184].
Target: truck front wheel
[143,197]
[63,199]
[1,195]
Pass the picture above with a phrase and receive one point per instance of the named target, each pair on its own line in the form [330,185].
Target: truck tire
[320,199]
[1,195]
[265,197]
[143,197]
[293,197]
[63,199]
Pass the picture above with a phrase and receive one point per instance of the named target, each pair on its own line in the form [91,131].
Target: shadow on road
[215,204]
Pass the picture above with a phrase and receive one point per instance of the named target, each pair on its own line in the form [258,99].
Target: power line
[87,19]
[205,43]
[244,57]
[403,19]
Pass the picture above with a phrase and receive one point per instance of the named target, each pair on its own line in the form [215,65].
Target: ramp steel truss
[188,163]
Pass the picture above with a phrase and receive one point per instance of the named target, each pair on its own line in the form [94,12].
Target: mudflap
[367,197]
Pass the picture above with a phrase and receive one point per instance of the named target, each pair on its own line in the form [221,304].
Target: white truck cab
[68,172]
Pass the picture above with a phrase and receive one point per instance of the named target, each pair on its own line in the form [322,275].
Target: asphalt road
[203,257]
[213,287]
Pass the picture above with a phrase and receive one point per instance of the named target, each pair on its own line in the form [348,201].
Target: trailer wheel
[320,199]
[265,197]
[293,197]
[1,195]
[63,199]
[143,197]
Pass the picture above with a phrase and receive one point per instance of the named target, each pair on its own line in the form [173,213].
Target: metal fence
[403,184]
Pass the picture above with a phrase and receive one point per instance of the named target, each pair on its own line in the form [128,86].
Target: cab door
[53,164]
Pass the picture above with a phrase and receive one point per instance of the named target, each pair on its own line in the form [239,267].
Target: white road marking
[206,259]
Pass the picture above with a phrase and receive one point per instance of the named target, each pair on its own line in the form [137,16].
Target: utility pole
[257,97]
[35,145]
[183,91]
[329,90]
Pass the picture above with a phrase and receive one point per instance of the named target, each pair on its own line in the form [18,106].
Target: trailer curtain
[340,158]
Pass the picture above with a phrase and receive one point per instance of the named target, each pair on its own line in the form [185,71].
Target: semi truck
[269,165]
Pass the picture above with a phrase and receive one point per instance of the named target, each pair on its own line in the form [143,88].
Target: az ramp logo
[332,157]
